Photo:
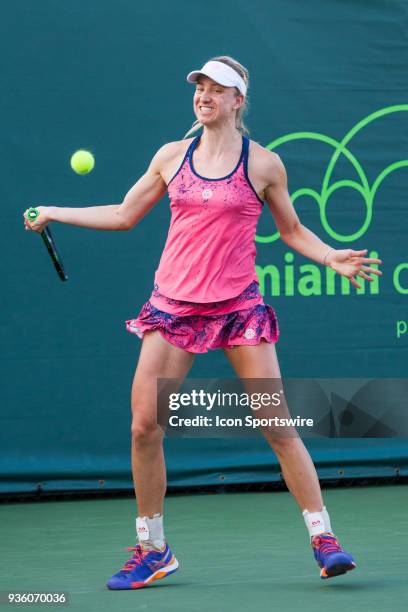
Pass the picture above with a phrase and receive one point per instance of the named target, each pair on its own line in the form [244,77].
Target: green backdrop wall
[328,93]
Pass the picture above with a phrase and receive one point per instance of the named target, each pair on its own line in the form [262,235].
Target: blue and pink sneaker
[331,558]
[143,568]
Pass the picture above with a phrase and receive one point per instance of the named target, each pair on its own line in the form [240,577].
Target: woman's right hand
[40,222]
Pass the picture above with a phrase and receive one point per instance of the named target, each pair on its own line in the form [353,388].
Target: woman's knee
[281,444]
[146,432]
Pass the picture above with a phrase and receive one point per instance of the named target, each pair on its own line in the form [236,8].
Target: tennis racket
[46,235]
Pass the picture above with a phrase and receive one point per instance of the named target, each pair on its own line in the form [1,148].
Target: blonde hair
[242,111]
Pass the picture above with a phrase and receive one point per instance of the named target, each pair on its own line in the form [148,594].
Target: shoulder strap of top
[245,150]
[186,157]
[192,146]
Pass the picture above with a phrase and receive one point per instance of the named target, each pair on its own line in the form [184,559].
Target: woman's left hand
[351,263]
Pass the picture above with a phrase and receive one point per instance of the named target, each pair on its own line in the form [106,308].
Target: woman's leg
[158,359]
[153,559]
[260,361]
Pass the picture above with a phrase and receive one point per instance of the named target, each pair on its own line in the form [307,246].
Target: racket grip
[33,213]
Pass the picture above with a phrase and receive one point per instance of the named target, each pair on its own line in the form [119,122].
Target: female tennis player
[206,296]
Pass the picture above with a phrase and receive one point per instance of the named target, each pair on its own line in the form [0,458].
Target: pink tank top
[210,250]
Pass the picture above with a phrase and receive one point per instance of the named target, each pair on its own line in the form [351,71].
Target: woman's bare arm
[347,262]
[148,190]
[296,235]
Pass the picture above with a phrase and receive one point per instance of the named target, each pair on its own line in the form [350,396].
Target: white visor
[221,73]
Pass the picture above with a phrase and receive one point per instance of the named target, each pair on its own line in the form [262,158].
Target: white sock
[150,532]
[326,519]
[317,522]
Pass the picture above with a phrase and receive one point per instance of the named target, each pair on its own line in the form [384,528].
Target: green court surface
[237,551]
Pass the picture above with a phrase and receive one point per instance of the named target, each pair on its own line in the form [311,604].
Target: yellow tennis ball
[82,162]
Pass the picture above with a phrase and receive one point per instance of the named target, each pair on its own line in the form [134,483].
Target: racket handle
[33,213]
[52,250]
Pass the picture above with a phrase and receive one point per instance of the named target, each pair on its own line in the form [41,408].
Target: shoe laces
[136,559]
[326,543]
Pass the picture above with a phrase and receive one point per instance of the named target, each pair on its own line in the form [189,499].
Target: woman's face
[215,103]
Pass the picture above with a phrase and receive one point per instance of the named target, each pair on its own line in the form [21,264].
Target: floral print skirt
[199,333]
